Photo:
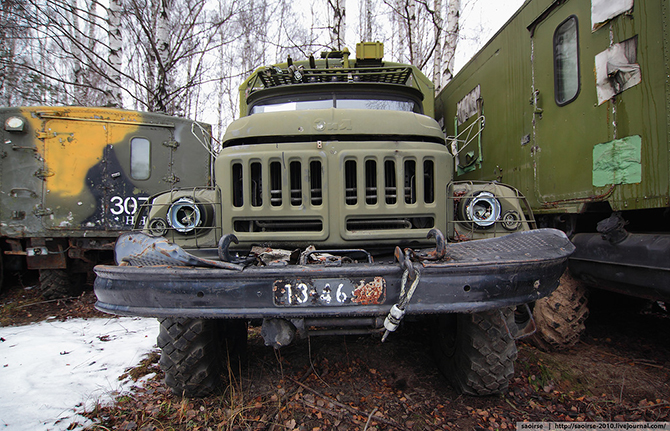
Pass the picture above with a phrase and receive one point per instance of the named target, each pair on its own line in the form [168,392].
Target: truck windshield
[341,101]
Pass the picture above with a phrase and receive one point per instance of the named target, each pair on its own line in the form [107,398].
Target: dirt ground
[619,371]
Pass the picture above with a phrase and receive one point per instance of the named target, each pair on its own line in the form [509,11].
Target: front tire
[194,350]
[476,351]
[189,356]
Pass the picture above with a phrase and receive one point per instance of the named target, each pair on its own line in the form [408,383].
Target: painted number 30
[126,206]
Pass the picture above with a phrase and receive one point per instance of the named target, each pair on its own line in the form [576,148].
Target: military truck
[71,179]
[569,103]
[334,212]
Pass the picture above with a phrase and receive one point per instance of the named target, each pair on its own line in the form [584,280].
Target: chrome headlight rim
[483,209]
[180,218]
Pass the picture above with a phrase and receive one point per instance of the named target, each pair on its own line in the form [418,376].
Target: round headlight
[483,209]
[184,215]
[511,220]
[157,227]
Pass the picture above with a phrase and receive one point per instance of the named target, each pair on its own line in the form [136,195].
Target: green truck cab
[334,209]
[72,178]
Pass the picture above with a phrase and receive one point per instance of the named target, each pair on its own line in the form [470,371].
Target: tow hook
[224,253]
[411,272]
[440,247]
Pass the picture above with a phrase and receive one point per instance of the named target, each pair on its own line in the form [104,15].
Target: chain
[397,311]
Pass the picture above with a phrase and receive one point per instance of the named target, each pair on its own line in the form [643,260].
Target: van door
[567,121]
[97,172]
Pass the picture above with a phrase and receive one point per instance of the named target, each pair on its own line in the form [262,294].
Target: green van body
[572,102]
[72,178]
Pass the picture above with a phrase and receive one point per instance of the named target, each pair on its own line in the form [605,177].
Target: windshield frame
[335,92]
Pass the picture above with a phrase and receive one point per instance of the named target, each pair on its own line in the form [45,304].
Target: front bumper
[474,276]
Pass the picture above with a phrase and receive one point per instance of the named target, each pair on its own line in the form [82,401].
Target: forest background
[187,57]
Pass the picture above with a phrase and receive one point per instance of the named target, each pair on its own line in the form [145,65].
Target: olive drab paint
[544,141]
[76,175]
[571,106]
[330,214]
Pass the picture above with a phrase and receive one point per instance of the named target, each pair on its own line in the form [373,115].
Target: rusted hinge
[16,148]
[22,192]
[171,144]
[39,211]
[43,173]
[172,178]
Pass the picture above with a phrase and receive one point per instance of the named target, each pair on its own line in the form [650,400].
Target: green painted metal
[341,69]
[339,153]
[546,149]
[80,173]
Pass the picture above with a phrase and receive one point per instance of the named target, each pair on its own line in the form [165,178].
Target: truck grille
[276,197]
[371,191]
[389,188]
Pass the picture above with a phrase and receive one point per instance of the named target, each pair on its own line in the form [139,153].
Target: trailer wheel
[192,351]
[560,316]
[55,283]
[476,351]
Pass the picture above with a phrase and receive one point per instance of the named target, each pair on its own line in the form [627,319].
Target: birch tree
[338,24]
[114,53]
[437,63]
[451,41]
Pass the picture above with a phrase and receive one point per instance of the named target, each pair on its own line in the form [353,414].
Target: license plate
[329,292]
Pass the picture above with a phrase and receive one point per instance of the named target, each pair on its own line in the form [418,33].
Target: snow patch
[50,371]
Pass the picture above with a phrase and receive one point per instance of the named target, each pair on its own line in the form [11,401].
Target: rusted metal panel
[373,292]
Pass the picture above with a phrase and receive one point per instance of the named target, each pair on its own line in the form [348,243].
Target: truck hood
[330,123]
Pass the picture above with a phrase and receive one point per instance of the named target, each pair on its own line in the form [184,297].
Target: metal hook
[224,243]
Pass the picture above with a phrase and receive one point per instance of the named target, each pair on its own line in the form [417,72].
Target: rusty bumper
[473,276]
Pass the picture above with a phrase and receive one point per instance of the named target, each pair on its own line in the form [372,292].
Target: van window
[140,158]
[566,62]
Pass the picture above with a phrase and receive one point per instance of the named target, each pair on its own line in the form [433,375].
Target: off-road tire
[560,316]
[194,350]
[476,352]
[56,284]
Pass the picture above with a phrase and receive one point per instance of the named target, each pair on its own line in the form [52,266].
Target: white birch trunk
[339,25]
[451,40]
[437,64]
[78,92]
[163,82]
[115,54]
[411,33]
[400,30]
